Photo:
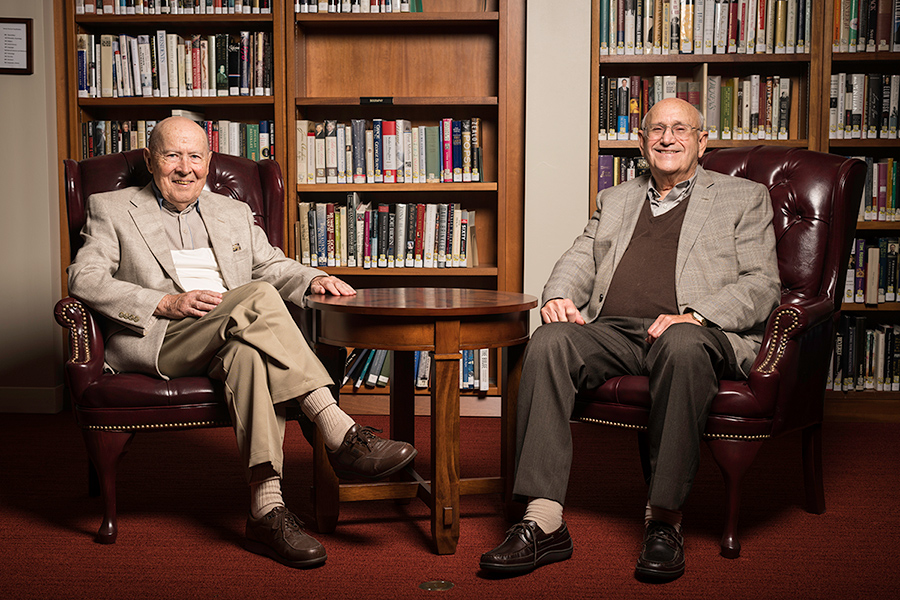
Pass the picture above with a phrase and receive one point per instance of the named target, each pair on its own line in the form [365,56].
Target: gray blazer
[125,267]
[726,267]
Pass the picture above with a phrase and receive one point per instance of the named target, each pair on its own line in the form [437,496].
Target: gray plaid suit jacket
[125,267]
[726,267]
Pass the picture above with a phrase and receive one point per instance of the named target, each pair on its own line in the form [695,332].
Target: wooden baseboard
[373,404]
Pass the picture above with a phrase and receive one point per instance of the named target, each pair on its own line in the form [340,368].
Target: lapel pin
[235,247]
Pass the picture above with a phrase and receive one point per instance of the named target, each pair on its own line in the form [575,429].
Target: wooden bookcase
[805,69]
[861,405]
[73,110]
[457,59]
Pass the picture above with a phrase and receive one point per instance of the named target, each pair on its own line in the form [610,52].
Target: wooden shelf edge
[485,271]
[400,101]
[186,20]
[176,100]
[397,187]
[377,19]
[859,307]
[867,143]
[867,407]
[628,59]
[863,56]
[878,225]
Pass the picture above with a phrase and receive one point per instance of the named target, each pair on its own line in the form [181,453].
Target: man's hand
[662,323]
[329,284]
[561,309]
[195,303]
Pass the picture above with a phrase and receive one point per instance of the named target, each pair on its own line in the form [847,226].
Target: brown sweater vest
[643,285]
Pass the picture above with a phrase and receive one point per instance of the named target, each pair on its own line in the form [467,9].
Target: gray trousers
[251,343]
[684,366]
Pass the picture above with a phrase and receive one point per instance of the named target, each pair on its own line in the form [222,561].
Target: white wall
[30,339]
[557,137]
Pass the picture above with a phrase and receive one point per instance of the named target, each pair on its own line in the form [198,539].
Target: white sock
[320,408]
[655,513]
[264,496]
[546,513]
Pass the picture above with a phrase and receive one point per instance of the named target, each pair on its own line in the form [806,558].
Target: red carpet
[182,505]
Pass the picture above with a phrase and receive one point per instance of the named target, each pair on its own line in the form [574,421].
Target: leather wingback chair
[110,408]
[815,198]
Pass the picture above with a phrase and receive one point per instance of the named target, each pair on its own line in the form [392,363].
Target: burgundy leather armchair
[110,408]
[816,199]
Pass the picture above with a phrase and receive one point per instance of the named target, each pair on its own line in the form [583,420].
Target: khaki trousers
[251,344]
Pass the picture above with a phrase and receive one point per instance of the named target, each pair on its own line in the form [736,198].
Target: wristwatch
[699,318]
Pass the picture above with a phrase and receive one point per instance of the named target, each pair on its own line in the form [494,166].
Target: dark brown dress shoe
[363,455]
[527,547]
[279,535]
[662,555]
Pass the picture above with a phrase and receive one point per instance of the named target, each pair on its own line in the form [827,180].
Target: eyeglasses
[174,158]
[679,130]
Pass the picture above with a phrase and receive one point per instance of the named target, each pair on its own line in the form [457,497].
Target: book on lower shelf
[376,235]
[865,356]
[370,368]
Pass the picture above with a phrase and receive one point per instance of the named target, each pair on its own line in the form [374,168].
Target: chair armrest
[793,362]
[85,363]
[789,322]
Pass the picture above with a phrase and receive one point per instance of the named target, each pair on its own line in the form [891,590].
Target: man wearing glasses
[673,278]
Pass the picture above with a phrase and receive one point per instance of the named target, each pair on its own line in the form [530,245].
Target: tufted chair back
[258,184]
[816,199]
[813,228]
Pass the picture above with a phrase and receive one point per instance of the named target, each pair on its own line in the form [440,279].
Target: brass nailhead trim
[706,435]
[73,334]
[156,426]
[776,350]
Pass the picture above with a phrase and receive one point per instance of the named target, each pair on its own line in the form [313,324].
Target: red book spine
[447,146]
[733,32]
[420,230]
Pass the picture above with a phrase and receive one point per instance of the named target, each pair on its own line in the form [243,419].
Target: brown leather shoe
[662,555]
[363,455]
[527,547]
[279,535]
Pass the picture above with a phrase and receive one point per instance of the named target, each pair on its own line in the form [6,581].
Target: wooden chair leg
[812,469]
[734,457]
[105,449]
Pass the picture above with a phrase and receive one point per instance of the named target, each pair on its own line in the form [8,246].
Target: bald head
[177,155]
[697,119]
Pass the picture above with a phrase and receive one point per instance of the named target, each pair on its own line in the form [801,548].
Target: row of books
[372,368]
[879,201]
[866,26]
[873,271]
[170,65]
[705,26]
[357,6]
[755,107]
[250,140]
[863,106]
[370,235]
[389,151]
[173,7]
[613,170]
[865,358]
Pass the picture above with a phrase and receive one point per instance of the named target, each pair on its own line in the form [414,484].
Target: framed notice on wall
[16,47]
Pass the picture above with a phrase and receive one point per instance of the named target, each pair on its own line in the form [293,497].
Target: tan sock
[655,513]
[546,513]
[320,408]
[265,490]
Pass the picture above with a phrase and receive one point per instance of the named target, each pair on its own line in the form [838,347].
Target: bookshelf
[867,405]
[74,110]
[457,59]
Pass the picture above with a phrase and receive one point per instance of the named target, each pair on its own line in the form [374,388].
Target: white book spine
[841,106]
[428,236]
[750,27]
[721,27]
[784,91]
[699,15]
[754,107]
[895,99]
[713,100]
[629,27]
[790,43]
[745,113]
